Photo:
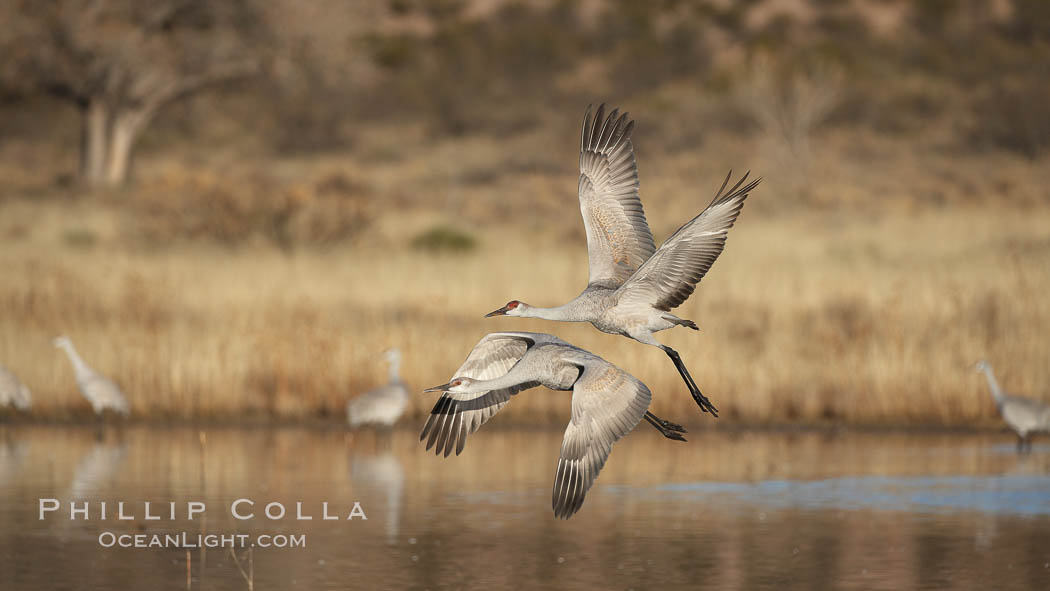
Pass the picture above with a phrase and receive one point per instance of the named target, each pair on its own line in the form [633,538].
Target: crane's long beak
[501,312]
[440,388]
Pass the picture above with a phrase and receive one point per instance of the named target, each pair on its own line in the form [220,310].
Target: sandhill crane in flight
[13,392]
[607,403]
[633,286]
[1024,415]
[100,391]
[384,405]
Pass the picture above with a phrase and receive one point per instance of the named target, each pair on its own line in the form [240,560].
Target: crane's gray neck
[993,385]
[395,369]
[573,311]
[80,368]
[518,374]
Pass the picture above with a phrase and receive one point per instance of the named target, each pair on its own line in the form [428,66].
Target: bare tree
[789,101]
[121,61]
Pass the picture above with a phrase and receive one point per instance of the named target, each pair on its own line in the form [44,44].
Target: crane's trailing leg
[666,428]
[701,400]
[1023,445]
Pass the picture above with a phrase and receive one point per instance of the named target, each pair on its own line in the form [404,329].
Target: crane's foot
[703,402]
[698,396]
[671,434]
[666,428]
[668,424]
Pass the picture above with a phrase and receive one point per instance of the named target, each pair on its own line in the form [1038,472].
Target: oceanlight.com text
[188,540]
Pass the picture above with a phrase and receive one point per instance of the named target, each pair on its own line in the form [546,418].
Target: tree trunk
[107,138]
[124,128]
[94,142]
[123,132]
[114,120]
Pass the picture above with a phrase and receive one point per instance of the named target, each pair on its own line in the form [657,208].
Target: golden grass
[807,317]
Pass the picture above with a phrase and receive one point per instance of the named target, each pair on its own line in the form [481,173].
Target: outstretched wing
[607,403]
[618,237]
[457,415]
[669,277]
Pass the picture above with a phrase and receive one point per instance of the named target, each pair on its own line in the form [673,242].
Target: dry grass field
[276,235]
[853,311]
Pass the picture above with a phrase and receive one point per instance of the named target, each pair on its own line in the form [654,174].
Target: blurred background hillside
[233,208]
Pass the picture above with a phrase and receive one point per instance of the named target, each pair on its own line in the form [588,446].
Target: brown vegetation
[118,63]
[383,188]
[807,317]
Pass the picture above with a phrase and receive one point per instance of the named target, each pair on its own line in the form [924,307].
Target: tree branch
[173,89]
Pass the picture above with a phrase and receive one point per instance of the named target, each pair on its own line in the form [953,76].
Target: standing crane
[13,392]
[607,403]
[632,285]
[99,390]
[384,405]
[1024,415]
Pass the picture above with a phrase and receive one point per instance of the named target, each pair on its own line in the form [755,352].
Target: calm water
[737,510]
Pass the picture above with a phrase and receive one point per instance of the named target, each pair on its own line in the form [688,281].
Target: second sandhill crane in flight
[99,390]
[13,392]
[607,403]
[1024,415]
[384,405]
[633,286]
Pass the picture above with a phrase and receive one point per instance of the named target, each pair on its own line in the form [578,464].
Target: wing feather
[669,277]
[455,416]
[618,236]
[607,403]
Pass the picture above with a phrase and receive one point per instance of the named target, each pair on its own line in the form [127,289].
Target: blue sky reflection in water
[1007,495]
